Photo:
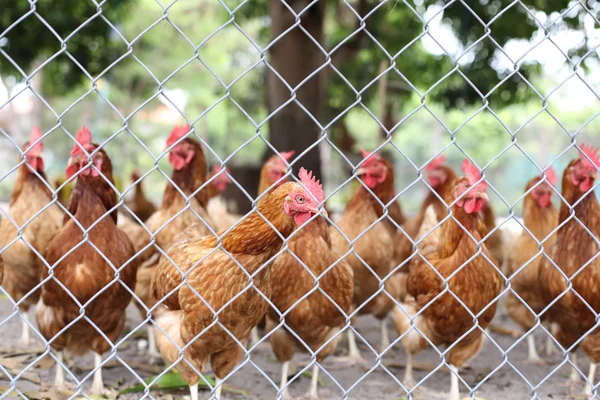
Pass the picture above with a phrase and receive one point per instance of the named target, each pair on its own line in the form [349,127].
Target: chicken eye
[300,199]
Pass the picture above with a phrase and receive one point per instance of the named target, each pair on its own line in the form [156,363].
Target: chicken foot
[354,357]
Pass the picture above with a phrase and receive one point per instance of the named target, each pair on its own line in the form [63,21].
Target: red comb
[312,184]
[287,154]
[592,154]
[435,163]
[551,176]
[84,138]
[471,172]
[367,156]
[177,133]
[36,134]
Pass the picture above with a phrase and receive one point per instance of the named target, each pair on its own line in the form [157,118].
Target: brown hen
[173,216]
[140,205]
[444,320]
[540,218]
[315,319]
[83,270]
[224,285]
[30,195]
[574,253]
[374,247]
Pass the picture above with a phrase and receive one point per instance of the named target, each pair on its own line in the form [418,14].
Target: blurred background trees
[162,64]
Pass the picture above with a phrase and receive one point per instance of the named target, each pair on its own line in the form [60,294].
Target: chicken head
[182,153]
[221,179]
[373,170]
[542,194]
[277,165]
[470,194]
[80,155]
[303,201]
[585,170]
[436,175]
[35,155]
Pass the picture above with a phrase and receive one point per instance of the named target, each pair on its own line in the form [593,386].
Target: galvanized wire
[323,140]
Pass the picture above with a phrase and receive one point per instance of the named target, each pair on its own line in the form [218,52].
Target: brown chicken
[83,269]
[573,253]
[217,207]
[189,174]
[540,218]
[139,204]
[440,177]
[224,285]
[444,320]
[494,242]
[30,195]
[374,247]
[274,170]
[315,319]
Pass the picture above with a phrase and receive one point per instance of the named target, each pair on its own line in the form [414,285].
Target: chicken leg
[59,379]
[385,338]
[25,335]
[454,391]
[314,382]
[97,383]
[219,388]
[408,380]
[285,369]
[532,354]
[587,391]
[152,349]
[194,392]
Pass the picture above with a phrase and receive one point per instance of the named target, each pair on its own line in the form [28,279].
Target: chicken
[94,272]
[441,317]
[216,207]
[140,205]
[494,242]
[315,319]
[189,174]
[273,171]
[540,218]
[224,285]
[29,197]
[574,251]
[374,246]
[440,177]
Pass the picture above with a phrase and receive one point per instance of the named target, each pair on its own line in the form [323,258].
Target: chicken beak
[595,175]
[483,196]
[361,171]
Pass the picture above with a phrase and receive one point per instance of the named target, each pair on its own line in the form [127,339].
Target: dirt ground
[501,376]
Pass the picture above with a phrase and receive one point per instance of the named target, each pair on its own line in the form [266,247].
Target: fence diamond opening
[334,288]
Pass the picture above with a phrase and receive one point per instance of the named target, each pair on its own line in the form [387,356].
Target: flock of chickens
[81,269]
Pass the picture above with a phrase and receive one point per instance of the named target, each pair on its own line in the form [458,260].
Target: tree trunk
[295,57]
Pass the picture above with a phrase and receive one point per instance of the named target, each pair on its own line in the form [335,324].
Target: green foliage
[30,42]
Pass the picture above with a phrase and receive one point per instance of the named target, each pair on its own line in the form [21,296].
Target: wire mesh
[350,248]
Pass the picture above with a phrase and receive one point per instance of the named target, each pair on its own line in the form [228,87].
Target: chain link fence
[465,305]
